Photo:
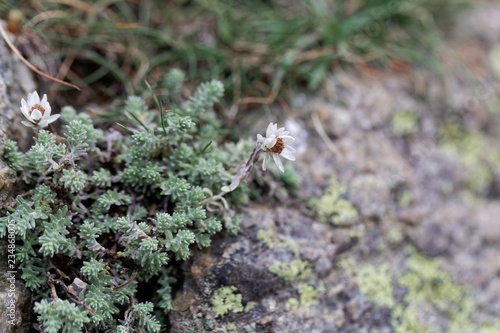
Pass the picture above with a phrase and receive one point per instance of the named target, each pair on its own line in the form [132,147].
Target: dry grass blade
[322,133]
[27,63]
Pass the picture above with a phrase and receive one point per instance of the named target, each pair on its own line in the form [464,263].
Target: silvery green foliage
[60,316]
[15,159]
[117,209]
[73,180]
[173,80]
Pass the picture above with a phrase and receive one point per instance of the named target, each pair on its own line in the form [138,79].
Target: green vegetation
[117,208]
[256,47]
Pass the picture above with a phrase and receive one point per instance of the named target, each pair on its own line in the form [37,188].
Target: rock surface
[15,82]
[418,158]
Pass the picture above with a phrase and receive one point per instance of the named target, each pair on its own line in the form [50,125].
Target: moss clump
[332,206]
[226,300]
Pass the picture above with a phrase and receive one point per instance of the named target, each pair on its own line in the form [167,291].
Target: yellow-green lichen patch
[332,207]
[405,122]
[299,274]
[490,327]
[405,320]
[431,292]
[426,282]
[431,297]
[375,282]
[268,237]
[250,306]
[308,295]
[292,304]
[272,241]
[226,300]
[394,236]
[480,157]
[296,270]
[405,199]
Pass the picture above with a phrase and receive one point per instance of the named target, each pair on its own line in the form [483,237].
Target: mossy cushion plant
[107,212]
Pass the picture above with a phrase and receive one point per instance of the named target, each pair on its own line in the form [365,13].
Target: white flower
[276,143]
[37,112]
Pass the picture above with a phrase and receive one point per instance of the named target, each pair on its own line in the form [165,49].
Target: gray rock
[15,83]
[413,201]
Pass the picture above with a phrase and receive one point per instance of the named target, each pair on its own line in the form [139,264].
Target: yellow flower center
[278,146]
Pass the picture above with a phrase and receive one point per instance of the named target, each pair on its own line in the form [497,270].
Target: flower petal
[36,115]
[46,105]
[269,142]
[277,160]
[25,109]
[260,138]
[280,131]
[52,118]
[27,123]
[271,129]
[44,99]
[33,98]
[287,139]
[264,162]
[288,154]
[43,123]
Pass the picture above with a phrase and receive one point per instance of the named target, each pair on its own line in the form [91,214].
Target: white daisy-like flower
[276,144]
[37,111]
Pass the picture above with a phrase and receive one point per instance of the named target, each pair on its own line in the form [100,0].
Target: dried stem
[243,172]
[27,63]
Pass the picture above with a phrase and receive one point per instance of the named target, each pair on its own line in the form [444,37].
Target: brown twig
[27,63]
[126,283]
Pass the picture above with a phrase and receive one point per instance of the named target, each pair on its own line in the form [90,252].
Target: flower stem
[243,171]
